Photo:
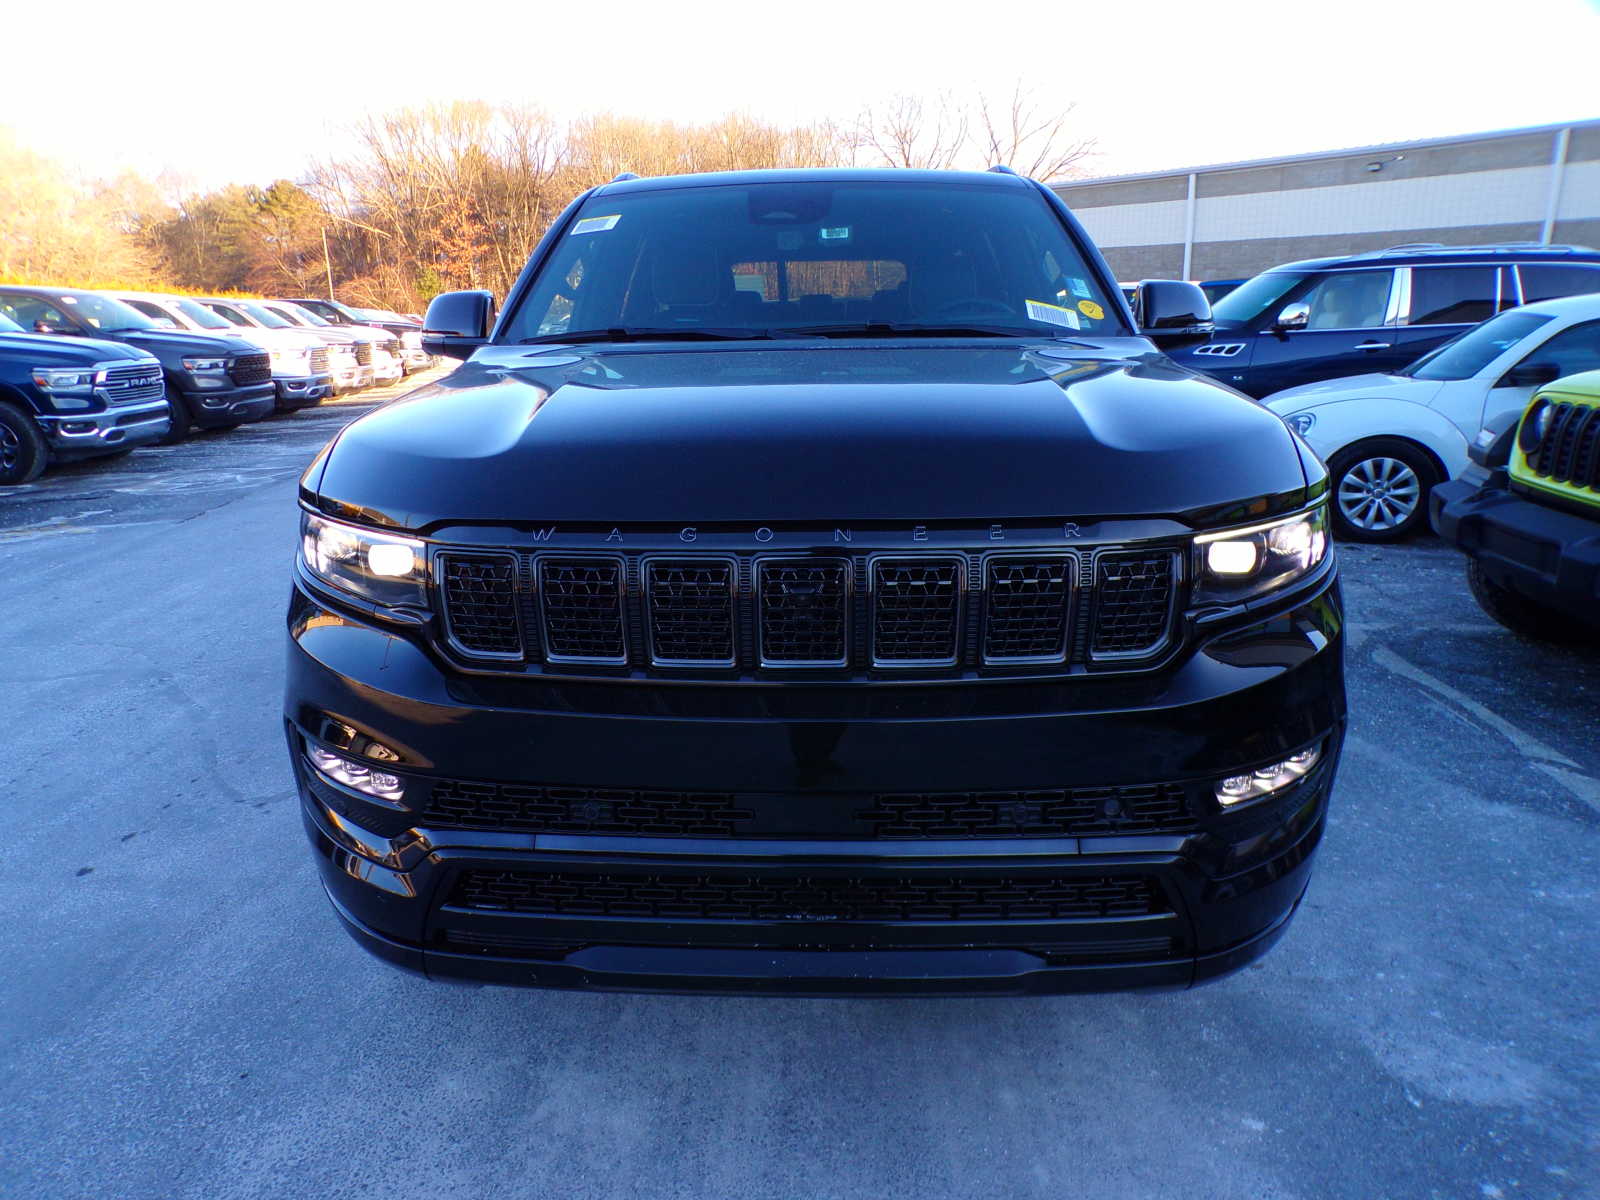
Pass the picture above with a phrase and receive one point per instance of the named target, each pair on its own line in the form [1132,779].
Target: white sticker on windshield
[1053,313]
[596,224]
[1080,287]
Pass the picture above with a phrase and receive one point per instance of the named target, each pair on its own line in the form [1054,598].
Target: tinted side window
[1349,300]
[29,311]
[1572,350]
[1546,281]
[1452,295]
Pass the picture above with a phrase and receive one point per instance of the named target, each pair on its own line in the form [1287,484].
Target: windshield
[198,313]
[104,313]
[1465,355]
[820,257]
[263,314]
[1255,296]
[309,317]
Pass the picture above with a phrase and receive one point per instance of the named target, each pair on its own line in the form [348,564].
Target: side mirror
[457,323]
[1530,374]
[1173,313]
[1293,316]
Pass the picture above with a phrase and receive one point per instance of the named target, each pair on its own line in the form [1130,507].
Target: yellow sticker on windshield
[1091,310]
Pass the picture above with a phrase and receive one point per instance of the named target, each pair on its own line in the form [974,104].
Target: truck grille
[916,610]
[690,609]
[806,898]
[251,368]
[132,384]
[935,612]
[1569,452]
[582,601]
[480,602]
[363,354]
[319,360]
[1133,603]
[1035,813]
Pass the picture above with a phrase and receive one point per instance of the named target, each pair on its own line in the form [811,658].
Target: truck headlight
[205,366]
[378,567]
[48,379]
[295,361]
[1237,564]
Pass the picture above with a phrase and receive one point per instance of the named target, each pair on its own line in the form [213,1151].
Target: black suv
[72,399]
[813,582]
[213,381]
[1326,318]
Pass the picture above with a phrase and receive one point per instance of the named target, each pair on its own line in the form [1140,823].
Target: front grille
[582,603]
[460,804]
[1569,452]
[690,609]
[130,385]
[1051,812]
[804,609]
[916,610]
[251,368]
[1028,604]
[319,361]
[1133,604]
[392,346]
[806,898]
[480,603]
[363,354]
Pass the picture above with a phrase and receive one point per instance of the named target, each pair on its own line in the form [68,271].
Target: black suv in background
[213,381]
[1324,318]
[815,582]
[66,399]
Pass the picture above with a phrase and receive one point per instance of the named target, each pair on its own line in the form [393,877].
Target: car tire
[23,450]
[178,412]
[1524,617]
[1380,490]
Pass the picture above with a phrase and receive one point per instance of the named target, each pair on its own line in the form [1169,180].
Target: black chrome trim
[1175,568]
[1069,618]
[757,563]
[958,627]
[550,654]
[436,571]
[645,563]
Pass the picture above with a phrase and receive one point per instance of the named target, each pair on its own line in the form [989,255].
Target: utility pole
[327,262]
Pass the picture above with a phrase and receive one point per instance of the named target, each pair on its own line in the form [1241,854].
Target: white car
[1387,439]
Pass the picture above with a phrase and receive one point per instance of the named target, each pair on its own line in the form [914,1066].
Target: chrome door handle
[1373,346]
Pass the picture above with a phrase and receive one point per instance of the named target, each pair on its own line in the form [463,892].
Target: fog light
[356,775]
[1264,781]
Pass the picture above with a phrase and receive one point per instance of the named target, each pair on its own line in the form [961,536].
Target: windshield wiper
[623,334]
[871,329]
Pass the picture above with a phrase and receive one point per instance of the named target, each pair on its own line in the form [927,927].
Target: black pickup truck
[72,399]
[815,582]
[212,381]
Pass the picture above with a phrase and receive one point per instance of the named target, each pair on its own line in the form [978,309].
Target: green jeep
[1526,513]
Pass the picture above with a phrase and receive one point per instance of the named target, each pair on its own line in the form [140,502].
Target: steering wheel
[975,306]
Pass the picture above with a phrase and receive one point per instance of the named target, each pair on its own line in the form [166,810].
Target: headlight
[380,567]
[411,340]
[49,379]
[1535,424]
[1236,564]
[291,360]
[205,366]
[1301,423]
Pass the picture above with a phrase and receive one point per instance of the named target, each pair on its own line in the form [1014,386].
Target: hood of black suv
[756,432]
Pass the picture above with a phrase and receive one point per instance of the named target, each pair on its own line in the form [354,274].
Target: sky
[226,91]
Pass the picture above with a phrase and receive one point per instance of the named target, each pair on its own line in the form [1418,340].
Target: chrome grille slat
[581,599]
[916,610]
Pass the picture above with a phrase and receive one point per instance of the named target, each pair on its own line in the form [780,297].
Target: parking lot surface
[181,1015]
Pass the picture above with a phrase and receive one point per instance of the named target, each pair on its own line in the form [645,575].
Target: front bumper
[1216,892]
[351,379]
[1548,555]
[417,359]
[232,406]
[386,368]
[118,427]
[301,391]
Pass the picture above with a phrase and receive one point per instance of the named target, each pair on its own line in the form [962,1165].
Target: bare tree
[1034,141]
[908,131]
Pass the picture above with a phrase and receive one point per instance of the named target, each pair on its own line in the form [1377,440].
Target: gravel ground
[180,1015]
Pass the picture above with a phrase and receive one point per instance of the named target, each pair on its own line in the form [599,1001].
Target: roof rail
[623,177]
[1001,169]
[1479,248]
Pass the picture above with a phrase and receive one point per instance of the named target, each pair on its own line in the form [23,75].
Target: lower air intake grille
[916,610]
[472,805]
[582,603]
[690,606]
[1133,604]
[1028,601]
[1042,813]
[804,605]
[480,603]
[761,897]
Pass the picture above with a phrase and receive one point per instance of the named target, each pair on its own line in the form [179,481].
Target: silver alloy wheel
[1378,494]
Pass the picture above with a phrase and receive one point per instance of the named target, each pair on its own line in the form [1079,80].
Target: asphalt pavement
[181,1015]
